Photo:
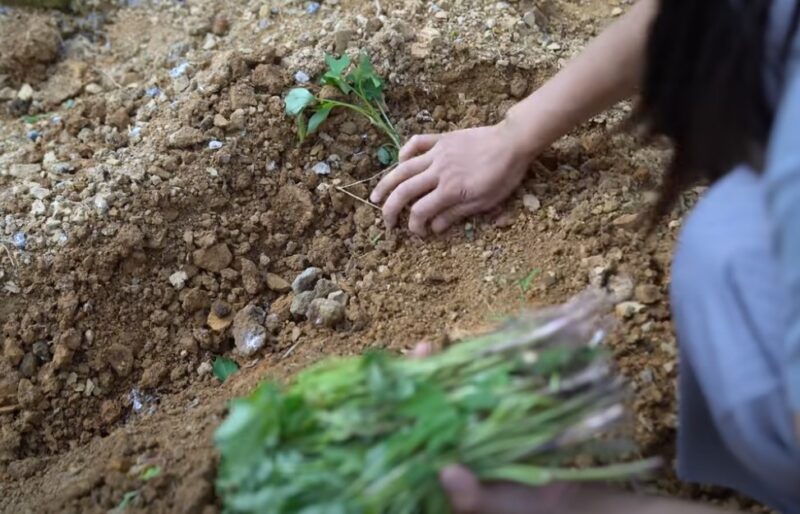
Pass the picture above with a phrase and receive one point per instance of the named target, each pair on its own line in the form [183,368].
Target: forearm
[607,71]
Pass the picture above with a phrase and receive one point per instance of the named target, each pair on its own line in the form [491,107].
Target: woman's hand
[446,177]
[469,496]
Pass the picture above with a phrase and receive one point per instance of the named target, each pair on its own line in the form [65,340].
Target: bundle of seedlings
[369,434]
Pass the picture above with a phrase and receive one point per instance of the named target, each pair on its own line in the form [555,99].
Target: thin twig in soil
[109,77]
[348,193]
[378,10]
[373,177]
[10,255]
[290,350]
[9,409]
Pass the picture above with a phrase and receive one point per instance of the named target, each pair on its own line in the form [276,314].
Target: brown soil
[30,44]
[104,368]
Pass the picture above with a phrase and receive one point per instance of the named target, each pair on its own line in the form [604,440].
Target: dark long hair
[704,87]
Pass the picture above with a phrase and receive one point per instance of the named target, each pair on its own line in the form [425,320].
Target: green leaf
[297,100]
[302,127]
[387,155]
[127,499]
[366,80]
[150,473]
[337,66]
[35,118]
[223,368]
[320,116]
[334,77]
[338,82]
[373,90]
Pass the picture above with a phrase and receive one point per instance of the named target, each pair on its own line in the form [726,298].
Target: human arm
[446,177]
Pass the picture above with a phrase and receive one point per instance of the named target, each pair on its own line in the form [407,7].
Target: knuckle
[402,192]
[417,211]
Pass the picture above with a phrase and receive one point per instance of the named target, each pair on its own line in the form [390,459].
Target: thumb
[462,488]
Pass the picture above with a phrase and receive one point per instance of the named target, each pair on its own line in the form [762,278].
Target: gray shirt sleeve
[782,179]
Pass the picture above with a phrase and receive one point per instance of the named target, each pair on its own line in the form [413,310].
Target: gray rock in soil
[324,287]
[300,304]
[627,310]
[531,203]
[214,259]
[306,280]
[325,312]
[339,297]
[647,294]
[621,287]
[249,333]
[185,137]
[277,283]
[274,323]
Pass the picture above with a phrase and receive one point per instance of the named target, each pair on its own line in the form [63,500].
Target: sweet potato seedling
[369,434]
[362,85]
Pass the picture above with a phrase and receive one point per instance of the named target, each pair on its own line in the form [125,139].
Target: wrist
[526,132]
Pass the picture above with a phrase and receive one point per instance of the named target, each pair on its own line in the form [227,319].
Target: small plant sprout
[525,282]
[358,82]
[223,368]
[150,473]
[126,501]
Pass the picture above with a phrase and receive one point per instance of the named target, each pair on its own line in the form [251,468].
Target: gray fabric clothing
[782,183]
[731,312]
[736,306]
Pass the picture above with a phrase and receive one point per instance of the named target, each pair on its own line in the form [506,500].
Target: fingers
[426,208]
[463,489]
[405,193]
[445,219]
[421,350]
[399,175]
[417,145]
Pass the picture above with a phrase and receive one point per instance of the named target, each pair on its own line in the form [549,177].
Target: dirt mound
[29,44]
[160,190]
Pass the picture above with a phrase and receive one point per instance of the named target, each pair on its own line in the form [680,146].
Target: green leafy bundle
[363,85]
[368,435]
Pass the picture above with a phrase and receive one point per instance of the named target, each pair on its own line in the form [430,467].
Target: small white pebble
[321,168]
[204,368]
[178,279]
[302,77]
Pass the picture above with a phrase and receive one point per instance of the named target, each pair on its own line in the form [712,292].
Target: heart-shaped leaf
[337,66]
[297,100]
